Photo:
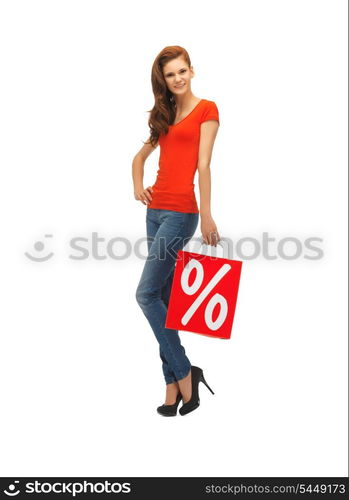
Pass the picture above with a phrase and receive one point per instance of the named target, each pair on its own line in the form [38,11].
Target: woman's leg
[174,231]
[152,225]
[165,295]
[172,389]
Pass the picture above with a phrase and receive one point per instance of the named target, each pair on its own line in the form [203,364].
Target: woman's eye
[182,71]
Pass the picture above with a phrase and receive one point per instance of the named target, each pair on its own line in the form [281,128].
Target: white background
[80,372]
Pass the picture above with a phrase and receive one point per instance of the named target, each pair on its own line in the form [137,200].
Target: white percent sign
[216,299]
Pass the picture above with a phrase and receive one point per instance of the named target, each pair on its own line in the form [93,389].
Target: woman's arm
[138,172]
[208,134]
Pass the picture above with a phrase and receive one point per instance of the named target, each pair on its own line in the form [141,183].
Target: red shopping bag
[203,294]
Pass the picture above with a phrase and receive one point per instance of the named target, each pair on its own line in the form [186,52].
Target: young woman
[185,127]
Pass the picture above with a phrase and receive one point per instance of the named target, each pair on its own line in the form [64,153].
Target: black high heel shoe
[197,376]
[170,410]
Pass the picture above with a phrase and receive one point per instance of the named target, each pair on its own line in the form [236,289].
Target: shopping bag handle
[218,243]
[223,242]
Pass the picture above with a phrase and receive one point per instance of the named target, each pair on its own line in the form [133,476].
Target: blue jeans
[167,232]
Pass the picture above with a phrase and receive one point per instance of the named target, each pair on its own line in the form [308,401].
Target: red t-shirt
[174,186]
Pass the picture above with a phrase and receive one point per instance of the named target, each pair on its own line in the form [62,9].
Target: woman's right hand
[144,195]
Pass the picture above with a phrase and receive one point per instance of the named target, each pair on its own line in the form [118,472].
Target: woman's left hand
[209,230]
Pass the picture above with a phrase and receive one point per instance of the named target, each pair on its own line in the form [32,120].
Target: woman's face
[177,75]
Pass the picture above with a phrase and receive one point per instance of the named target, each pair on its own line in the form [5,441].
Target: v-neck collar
[175,124]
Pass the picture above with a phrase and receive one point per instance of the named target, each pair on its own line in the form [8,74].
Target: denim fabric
[167,232]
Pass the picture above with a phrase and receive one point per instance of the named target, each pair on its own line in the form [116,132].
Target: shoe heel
[204,381]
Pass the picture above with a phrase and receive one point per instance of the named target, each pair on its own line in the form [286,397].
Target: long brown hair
[164,111]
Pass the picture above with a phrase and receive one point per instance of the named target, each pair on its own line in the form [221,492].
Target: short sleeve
[210,112]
